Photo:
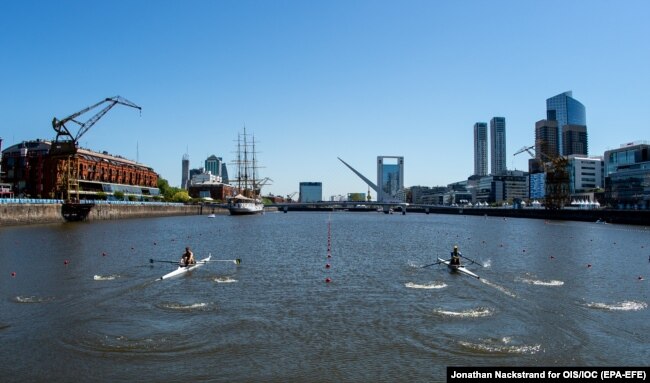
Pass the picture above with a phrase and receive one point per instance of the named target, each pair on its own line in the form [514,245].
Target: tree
[180,196]
[168,192]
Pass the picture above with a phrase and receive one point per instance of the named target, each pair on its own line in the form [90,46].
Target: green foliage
[169,193]
[119,195]
[102,196]
[266,201]
[180,196]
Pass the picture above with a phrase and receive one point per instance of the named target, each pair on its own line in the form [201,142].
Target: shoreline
[34,213]
[628,217]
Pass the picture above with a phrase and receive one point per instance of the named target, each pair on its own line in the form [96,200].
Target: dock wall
[27,214]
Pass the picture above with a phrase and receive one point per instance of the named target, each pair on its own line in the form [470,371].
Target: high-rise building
[213,165]
[390,178]
[574,138]
[480,149]
[546,146]
[627,176]
[498,145]
[185,172]
[311,192]
[566,110]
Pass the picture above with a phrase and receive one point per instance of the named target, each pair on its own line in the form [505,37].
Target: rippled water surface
[80,301]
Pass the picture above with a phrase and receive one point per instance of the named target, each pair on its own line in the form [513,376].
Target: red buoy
[328,280]
[66,262]
[327,266]
[103,254]
[13,273]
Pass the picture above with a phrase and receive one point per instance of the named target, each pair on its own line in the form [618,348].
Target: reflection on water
[86,294]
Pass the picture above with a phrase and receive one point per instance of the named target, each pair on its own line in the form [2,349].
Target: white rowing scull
[184,269]
[458,268]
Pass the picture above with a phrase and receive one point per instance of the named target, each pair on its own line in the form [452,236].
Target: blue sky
[317,80]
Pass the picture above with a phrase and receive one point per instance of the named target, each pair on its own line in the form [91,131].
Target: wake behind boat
[184,269]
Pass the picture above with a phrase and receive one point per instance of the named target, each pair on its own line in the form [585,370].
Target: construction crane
[63,149]
[556,185]
[290,196]
[65,142]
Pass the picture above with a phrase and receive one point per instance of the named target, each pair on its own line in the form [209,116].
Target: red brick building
[85,174]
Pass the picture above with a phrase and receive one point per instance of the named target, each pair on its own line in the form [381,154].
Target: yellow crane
[556,185]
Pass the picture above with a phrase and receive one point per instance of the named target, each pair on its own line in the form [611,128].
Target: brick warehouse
[35,172]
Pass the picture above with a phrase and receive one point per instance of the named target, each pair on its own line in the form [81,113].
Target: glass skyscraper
[498,145]
[311,192]
[390,178]
[213,165]
[566,110]
[185,171]
[480,149]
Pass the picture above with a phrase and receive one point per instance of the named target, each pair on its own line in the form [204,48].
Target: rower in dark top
[187,258]
[455,257]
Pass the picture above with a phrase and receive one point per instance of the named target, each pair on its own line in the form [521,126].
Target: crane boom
[62,131]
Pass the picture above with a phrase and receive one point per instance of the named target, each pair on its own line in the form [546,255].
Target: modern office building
[510,186]
[310,192]
[498,145]
[217,168]
[537,186]
[480,149]
[546,140]
[390,179]
[627,176]
[566,110]
[213,165]
[585,174]
[574,138]
[185,171]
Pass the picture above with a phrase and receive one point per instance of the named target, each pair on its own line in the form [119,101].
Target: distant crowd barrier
[6,201]
[29,200]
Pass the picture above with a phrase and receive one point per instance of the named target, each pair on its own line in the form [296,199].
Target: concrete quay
[36,213]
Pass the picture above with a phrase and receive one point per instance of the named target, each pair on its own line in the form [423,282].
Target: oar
[163,261]
[437,263]
[236,261]
[471,260]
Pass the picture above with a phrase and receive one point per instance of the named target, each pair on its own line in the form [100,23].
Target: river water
[80,301]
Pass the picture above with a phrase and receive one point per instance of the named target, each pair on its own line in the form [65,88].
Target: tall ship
[248,186]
